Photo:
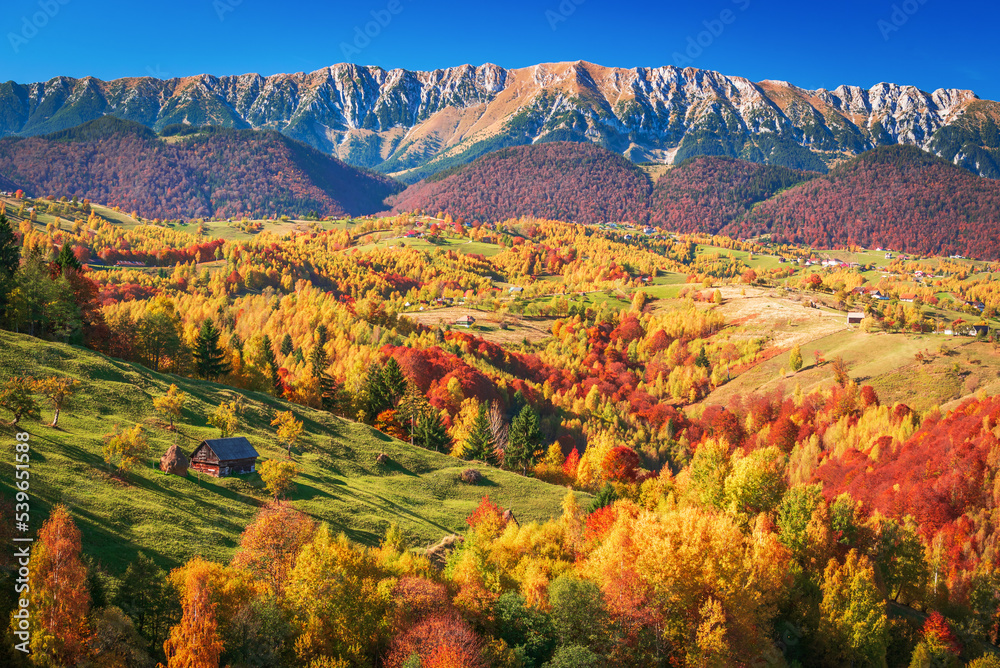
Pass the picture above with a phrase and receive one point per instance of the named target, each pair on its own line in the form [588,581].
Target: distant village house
[466,321]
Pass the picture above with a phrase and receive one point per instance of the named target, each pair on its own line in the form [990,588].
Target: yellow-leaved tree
[170,404]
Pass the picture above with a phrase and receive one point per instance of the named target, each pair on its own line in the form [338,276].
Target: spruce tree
[523,440]
[479,442]
[10,253]
[209,357]
[286,345]
[431,433]
[395,381]
[10,260]
[270,363]
[375,395]
[67,259]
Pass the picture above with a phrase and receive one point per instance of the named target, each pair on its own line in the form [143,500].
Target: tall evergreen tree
[209,357]
[431,433]
[270,363]
[317,361]
[479,442]
[67,259]
[286,345]
[395,380]
[375,396]
[523,441]
[10,259]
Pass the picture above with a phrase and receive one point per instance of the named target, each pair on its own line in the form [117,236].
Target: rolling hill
[706,194]
[895,197]
[215,173]
[413,123]
[173,518]
[566,181]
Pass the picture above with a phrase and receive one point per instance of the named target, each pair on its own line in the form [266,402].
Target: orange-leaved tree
[194,642]
[59,597]
[271,542]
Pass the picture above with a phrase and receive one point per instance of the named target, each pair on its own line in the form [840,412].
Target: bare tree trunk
[499,429]
[55,418]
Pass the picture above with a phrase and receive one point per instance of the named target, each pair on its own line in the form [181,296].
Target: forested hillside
[898,197]
[706,194]
[221,173]
[568,181]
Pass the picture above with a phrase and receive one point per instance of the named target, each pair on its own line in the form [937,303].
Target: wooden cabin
[855,317]
[221,457]
[466,321]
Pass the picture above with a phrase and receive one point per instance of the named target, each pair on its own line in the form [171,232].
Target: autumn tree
[210,360]
[278,476]
[170,404]
[270,544]
[195,642]
[853,619]
[289,429]
[125,449]
[224,419]
[337,605]
[795,359]
[17,398]
[158,332]
[59,598]
[57,390]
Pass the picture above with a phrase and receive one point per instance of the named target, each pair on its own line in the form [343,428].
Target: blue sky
[927,43]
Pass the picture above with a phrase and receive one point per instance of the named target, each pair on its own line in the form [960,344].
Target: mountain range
[411,123]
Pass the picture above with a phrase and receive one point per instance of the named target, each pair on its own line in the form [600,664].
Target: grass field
[487,325]
[173,518]
[951,368]
[460,245]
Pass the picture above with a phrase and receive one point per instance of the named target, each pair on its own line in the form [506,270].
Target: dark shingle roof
[236,447]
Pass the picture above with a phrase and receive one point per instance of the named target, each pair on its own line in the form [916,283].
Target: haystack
[174,462]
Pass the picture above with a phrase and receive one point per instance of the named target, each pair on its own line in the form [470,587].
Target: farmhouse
[221,457]
[465,321]
[855,317]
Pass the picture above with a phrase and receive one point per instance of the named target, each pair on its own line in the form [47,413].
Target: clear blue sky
[927,43]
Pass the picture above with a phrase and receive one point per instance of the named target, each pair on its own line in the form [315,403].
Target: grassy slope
[174,518]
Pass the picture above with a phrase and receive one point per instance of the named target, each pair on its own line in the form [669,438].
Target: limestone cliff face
[411,123]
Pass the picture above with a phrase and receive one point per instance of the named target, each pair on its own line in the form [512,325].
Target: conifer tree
[395,381]
[431,433]
[270,363]
[523,441]
[479,442]
[10,259]
[286,345]
[375,396]
[209,357]
[67,259]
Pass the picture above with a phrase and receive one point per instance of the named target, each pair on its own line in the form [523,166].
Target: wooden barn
[221,457]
